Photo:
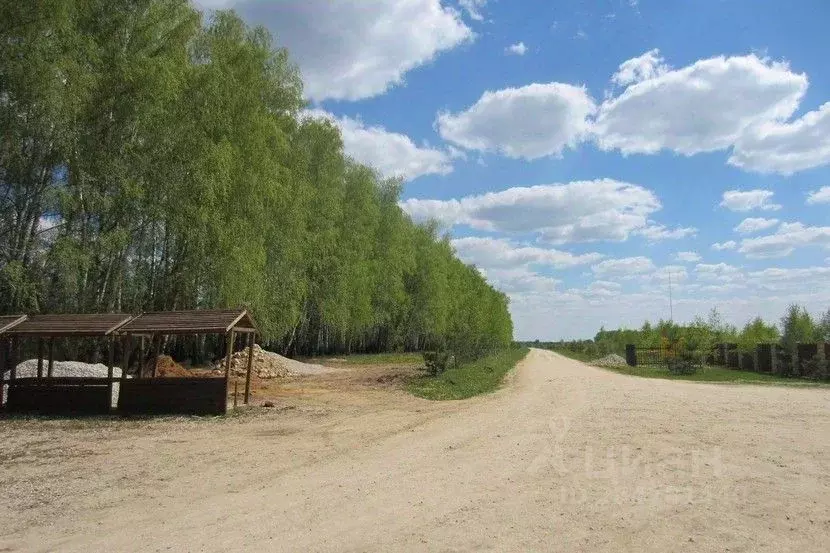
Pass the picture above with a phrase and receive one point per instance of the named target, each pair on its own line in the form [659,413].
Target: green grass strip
[470,379]
[705,374]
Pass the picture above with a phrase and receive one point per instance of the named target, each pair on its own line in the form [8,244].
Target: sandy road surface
[564,458]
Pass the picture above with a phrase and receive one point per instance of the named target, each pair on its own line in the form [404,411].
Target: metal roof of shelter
[199,321]
[7,322]
[87,324]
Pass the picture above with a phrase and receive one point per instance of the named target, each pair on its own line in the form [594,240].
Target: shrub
[437,362]
[816,369]
[682,365]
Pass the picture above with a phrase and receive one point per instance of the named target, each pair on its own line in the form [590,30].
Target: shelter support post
[141,361]
[40,357]
[251,337]
[156,352]
[14,357]
[50,369]
[128,346]
[228,354]
[110,367]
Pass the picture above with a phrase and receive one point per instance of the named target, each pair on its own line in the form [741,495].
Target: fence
[807,360]
[662,356]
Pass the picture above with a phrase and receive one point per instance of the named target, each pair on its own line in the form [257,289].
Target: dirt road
[565,458]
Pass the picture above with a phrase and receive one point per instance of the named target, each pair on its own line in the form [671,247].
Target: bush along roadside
[447,379]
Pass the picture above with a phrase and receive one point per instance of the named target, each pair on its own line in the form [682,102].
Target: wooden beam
[250,365]
[228,354]
[141,359]
[14,352]
[40,357]
[125,361]
[2,361]
[110,368]
[156,352]
[50,369]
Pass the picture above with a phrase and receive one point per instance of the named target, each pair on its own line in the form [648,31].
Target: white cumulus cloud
[581,211]
[518,49]
[656,232]
[785,240]
[820,196]
[748,200]
[473,8]
[530,122]
[751,225]
[623,267]
[704,107]
[785,147]
[391,154]
[355,49]
[687,257]
[648,66]
[722,246]
[502,253]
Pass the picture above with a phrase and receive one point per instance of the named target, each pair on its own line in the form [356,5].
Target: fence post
[631,355]
[765,358]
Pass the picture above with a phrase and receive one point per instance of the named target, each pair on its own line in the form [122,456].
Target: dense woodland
[796,326]
[153,159]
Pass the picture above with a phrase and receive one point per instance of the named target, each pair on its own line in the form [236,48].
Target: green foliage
[469,379]
[823,327]
[816,369]
[436,362]
[757,332]
[696,340]
[151,159]
[797,327]
[681,366]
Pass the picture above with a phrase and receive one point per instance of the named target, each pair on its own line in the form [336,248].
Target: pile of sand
[613,361]
[166,367]
[268,364]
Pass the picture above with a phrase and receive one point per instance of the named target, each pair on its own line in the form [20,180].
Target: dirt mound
[268,364]
[613,361]
[166,367]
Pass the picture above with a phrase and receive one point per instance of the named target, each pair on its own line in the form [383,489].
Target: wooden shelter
[8,322]
[143,394]
[7,344]
[193,395]
[61,395]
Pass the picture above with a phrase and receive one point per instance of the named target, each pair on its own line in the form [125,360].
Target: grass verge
[470,379]
[705,374]
[372,359]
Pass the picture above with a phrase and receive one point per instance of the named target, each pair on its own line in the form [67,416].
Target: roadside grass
[706,374]
[371,359]
[470,379]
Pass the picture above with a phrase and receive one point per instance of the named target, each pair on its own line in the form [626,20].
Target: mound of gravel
[61,369]
[268,364]
[612,361]
[28,369]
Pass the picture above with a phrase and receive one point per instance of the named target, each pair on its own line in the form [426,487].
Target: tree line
[796,326]
[152,159]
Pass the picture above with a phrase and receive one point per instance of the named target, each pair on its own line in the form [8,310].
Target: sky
[602,162]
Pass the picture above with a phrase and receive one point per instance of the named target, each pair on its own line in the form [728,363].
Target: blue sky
[582,154]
